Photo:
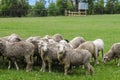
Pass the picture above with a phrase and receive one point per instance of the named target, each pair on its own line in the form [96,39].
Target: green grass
[106,27]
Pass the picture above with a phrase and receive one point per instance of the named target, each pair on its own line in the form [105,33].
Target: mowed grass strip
[106,27]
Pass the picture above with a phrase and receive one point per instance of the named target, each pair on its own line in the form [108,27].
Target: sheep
[14,38]
[35,40]
[48,52]
[99,45]
[74,57]
[57,37]
[113,53]
[11,38]
[47,37]
[18,51]
[90,46]
[66,44]
[75,42]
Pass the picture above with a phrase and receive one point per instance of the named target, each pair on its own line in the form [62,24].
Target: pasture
[106,27]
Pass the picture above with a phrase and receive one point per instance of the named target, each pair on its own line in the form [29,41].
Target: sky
[32,2]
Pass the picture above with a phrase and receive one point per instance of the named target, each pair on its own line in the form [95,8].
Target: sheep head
[14,38]
[106,58]
[61,51]
[43,46]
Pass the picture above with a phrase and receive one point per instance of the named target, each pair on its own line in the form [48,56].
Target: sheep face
[61,51]
[106,58]
[43,46]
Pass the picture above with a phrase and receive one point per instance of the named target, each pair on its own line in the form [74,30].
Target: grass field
[106,27]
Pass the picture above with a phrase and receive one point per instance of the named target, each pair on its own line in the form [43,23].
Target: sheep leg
[70,69]
[49,65]
[66,67]
[29,63]
[43,66]
[91,69]
[95,59]
[102,53]
[9,65]
[118,62]
[16,65]
[98,53]
[87,67]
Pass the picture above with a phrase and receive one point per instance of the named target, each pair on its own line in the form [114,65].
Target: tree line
[18,8]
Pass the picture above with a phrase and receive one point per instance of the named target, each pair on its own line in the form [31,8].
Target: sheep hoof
[49,71]
[97,62]
[27,70]
[118,64]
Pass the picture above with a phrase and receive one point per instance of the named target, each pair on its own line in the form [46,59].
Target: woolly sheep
[48,53]
[18,51]
[73,57]
[12,38]
[66,44]
[57,37]
[35,40]
[113,53]
[99,45]
[75,42]
[90,46]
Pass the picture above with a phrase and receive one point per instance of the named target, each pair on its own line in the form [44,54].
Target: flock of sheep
[55,49]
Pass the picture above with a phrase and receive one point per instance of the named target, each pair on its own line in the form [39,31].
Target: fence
[72,13]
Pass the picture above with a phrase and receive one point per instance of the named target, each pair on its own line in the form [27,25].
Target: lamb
[90,46]
[75,42]
[74,57]
[57,37]
[99,45]
[18,51]
[48,53]
[113,53]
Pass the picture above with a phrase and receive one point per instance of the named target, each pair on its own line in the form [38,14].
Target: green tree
[90,6]
[14,7]
[39,8]
[117,7]
[62,6]
[70,6]
[110,6]
[99,7]
[52,9]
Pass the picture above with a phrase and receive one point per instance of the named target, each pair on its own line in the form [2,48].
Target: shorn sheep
[18,51]
[113,53]
[99,45]
[90,46]
[74,57]
[75,42]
